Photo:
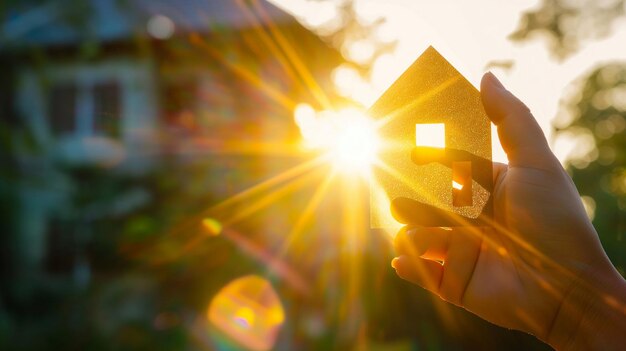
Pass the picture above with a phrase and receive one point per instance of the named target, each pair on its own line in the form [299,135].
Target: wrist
[592,314]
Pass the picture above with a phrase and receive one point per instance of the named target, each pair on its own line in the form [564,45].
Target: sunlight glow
[349,83]
[347,136]
[361,51]
[456,185]
[355,144]
[430,134]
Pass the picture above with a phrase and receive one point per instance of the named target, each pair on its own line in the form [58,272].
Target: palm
[505,271]
[529,266]
[511,266]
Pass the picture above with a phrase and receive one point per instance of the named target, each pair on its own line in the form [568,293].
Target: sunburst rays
[316,173]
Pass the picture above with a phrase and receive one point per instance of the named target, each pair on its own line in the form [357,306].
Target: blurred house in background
[104,89]
[129,130]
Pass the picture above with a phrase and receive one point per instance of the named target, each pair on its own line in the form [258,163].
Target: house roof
[65,22]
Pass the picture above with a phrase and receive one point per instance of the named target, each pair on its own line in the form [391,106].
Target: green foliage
[599,110]
[567,24]
[595,112]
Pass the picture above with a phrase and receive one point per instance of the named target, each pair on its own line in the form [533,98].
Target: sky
[471,34]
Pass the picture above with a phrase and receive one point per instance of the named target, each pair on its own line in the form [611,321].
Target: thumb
[520,135]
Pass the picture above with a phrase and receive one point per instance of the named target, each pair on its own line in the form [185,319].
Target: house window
[179,102]
[85,109]
[60,247]
[62,108]
[430,135]
[106,108]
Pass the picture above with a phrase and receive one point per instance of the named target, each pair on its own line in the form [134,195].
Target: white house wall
[138,112]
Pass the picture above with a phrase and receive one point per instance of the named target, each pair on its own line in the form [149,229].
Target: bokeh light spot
[590,206]
[248,311]
[244,317]
[212,226]
[160,27]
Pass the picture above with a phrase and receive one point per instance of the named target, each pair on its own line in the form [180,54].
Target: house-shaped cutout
[432,105]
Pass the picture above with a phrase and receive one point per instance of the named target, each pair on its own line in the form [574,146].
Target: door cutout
[462,184]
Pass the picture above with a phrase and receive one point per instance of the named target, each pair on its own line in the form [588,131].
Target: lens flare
[244,317]
[249,312]
[347,136]
[212,226]
[355,145]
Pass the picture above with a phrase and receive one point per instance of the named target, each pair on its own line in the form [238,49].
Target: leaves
[567,25]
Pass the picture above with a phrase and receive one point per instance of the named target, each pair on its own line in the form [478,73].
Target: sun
[348,137]
[356,143]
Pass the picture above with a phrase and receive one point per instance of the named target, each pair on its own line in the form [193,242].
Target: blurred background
[187,175]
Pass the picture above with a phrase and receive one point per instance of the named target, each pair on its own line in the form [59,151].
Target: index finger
[408,211]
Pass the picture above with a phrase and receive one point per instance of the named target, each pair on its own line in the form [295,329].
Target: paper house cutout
[431,102]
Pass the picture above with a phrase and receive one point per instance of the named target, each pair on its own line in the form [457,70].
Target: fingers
[409,211]
[520,135]
[459,264]
[422,250]
[422,155]
[431,243]
[499,169]
[424,273]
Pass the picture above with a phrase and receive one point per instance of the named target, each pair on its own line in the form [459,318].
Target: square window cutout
[430,135]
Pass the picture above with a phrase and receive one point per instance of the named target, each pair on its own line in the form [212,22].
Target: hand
[538,265]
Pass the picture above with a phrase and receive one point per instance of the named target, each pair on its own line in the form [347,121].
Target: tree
[569,24]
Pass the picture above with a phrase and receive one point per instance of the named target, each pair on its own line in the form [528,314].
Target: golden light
[430,135]
[249,311]
[348,136]
[361,51]
[356,143]
[349,83]
[244,317]
[212,226]
[457,186]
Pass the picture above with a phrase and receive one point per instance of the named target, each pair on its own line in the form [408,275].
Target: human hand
[537,265]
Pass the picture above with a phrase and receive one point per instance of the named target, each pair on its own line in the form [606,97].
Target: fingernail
[394,262]
[493,80]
